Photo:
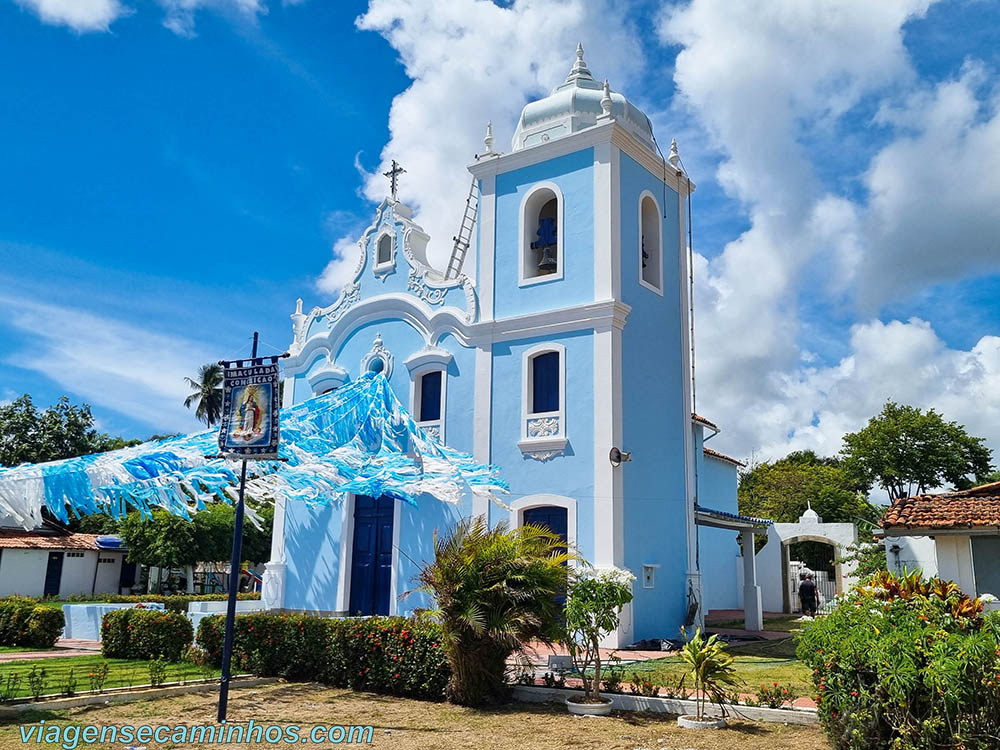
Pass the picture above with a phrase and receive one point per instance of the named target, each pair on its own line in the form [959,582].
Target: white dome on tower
[574,105]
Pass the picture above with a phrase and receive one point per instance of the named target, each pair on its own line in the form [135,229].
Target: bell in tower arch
[546,245]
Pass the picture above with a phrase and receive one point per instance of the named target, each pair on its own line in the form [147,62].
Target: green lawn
[786,624]
[756,663]
[121,673]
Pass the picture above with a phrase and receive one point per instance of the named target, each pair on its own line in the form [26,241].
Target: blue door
[371,556]
[549,516]
[554,519]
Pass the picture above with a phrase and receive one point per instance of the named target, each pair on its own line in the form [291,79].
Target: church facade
[559,350]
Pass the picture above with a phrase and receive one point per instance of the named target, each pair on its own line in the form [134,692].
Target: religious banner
[250,413]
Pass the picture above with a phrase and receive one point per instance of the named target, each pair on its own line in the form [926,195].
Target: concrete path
[64,647]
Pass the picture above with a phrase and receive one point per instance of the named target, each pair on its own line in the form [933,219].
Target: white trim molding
[378,351]
[433,324]
[327,377]
[518,507]
[658,287]
[543,434]
[428,358]
[525,233]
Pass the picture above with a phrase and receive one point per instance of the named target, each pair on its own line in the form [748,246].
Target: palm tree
[206,394]
[494,590]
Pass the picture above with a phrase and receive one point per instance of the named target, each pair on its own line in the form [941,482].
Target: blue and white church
[561,352]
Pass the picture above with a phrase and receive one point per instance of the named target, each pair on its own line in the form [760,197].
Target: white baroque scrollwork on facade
[543,427]
[378,351]
[432,295]
[350,294]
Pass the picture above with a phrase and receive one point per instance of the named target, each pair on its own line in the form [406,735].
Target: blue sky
[177,172]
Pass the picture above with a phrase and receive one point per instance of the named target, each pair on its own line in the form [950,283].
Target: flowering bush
[908,664]
[145,634]
[773,696]
[391,655]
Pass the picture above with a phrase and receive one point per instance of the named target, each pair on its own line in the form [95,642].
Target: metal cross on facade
[393,175]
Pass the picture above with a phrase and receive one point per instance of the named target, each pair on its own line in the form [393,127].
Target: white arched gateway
[775,567]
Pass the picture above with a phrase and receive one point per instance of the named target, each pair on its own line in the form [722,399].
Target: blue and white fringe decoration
[358,439]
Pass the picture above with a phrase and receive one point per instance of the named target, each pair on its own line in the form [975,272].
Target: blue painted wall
[313,534]
[574,174]
[570,475]
[653,416]
[718,551]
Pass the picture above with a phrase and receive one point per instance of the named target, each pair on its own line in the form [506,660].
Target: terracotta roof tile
[967,509]
[722,456]
[702,420]
[19,539]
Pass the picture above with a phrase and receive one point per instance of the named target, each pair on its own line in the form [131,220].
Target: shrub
[773,696]
[393,655]
[908,664]
[145,634]
[24,622]
[593,609]
[43,627]
[494,590]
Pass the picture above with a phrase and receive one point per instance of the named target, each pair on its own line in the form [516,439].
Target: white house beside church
[563,337]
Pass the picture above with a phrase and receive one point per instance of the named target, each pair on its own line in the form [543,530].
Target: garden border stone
[675,706]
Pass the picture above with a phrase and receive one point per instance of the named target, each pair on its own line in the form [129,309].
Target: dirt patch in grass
[402,724]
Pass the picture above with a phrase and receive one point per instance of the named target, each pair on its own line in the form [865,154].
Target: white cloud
[472,61]
[762,88]
[903,361]
[116,365]
[98,15]
[79,15]
[180,14]
[934,210]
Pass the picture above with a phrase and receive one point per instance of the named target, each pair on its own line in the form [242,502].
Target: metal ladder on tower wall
[464,237]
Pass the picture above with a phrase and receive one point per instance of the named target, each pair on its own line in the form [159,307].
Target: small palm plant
[710,668]
[206,395]
[494,590]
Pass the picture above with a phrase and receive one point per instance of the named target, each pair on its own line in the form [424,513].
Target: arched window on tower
[541,235]
[383,255]
[650,244]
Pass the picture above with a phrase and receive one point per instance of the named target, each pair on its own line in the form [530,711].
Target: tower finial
[606,99]
[674,157]
[488,140]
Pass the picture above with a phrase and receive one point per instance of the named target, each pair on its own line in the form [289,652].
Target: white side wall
[954,561]
[914,553]
[77,572]
[22,571]
[109,573]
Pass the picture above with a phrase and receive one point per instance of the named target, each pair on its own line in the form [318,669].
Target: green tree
[169,541]
[63,430]
[782,490]
[494,590]
[206,395]
[907,452]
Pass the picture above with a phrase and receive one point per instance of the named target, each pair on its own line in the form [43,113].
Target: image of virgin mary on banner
[250,413]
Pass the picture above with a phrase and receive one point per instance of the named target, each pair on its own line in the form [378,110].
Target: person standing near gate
[807,595]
